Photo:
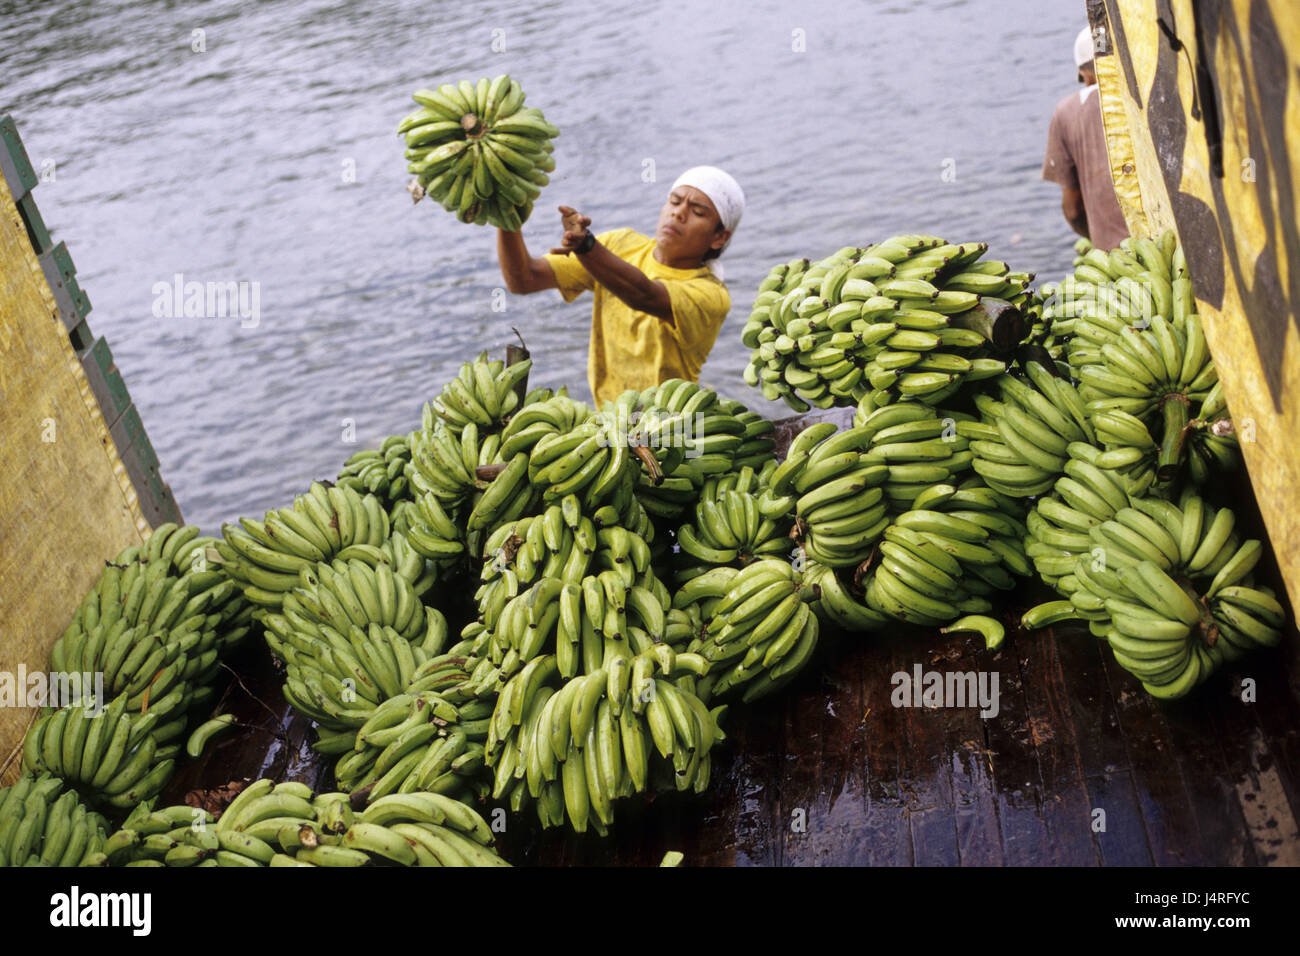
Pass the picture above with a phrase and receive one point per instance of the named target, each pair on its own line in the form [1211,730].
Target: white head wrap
[725,194]
[1083,52]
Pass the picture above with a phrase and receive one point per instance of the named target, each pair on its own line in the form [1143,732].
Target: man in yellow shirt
[660,302]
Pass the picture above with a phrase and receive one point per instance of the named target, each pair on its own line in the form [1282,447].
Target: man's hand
[1073,211]
[575,230]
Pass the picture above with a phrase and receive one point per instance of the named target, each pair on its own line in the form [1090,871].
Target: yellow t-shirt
[631,349]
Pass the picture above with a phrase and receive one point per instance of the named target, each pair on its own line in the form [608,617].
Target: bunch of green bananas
[267,556]
[937,562]
[363,585]
[478,151]
[482,393]
[168,591]
[873,324]
[285,824]
[559,584]
[758,630]
[446,462]
[1020,442]
[1131,284]
[154,629]
[728,528]
[112,754]
[444,674]
[921,445]
[419,742]
[593,462]
[1059,527]
[1170,589]
[981,535]
[835,488]
[41,826]
[338,677]
[1207,443]
[1138,349]
[578,747]
[380,471]
[697,435]
[756,449]
[435,534]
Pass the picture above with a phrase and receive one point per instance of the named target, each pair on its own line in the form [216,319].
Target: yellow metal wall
[1239,231]
[66,501]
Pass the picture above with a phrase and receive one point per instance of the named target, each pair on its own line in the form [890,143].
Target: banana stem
[489,472]
[1207,628]
[514,355]
[651,463]
[1174,410]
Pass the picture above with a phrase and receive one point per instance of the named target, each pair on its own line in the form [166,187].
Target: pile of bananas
[380,471]
[483,393]
[1168,586]
[1020,443]
[729,529]
[937,562]
[41,826]
[113,754]
[267,556]
[363,585]
[578,747]
[753,624]
[1059,527]
[1138,350]
[873,325]
[559,584]
[921,446]
[285,824]
[338,677]
[419,741]
[835,490]
[478,151]
[154,628]
[443,675]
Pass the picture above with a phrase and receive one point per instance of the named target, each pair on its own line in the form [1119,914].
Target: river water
[253,142]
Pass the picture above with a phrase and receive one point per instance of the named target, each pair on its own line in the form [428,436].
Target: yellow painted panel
[1240,231]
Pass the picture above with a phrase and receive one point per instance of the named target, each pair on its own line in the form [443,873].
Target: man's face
[689,225]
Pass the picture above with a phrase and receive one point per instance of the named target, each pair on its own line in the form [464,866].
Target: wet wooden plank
[969,766]
[924,780]
[1250,772]
[1276,708]
[1195,737]
[1016,775]
[757,744]
[1050,689]
[885,824]
[1121,834]
[822,724]
[1171,827]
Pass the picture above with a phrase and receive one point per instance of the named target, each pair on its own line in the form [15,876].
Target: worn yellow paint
[65,505]
[1267,418]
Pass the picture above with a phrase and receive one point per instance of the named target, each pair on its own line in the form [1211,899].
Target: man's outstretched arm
[523,273]
[637,290]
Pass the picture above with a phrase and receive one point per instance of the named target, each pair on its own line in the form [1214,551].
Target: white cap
[723,191]
[1083,52]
